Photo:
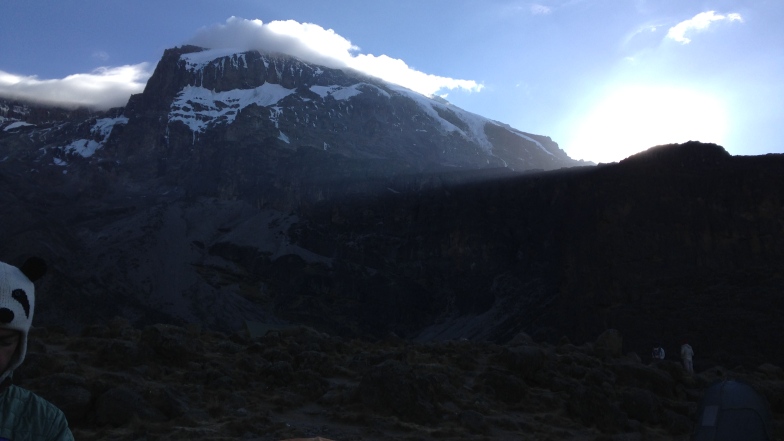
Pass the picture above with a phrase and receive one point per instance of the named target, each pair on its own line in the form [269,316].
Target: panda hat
[17,304]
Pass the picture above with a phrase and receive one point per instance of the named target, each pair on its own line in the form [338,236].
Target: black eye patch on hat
[20,296]
[6,315]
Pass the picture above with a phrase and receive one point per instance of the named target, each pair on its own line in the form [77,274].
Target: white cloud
[101,55]
[311,42]
[108,87]
[518,7]
[644,35]
[699,22]
[538,9]
[102,88]
[303,40]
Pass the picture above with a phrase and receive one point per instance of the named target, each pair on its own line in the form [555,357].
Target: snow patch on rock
[200,108]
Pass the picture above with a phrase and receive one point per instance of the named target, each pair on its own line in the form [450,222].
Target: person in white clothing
[687,353]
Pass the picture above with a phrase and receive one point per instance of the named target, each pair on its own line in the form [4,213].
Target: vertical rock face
[235,115]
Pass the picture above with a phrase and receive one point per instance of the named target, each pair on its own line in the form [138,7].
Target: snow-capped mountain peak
[306,104]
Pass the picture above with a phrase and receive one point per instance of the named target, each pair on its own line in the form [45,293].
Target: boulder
[609,344]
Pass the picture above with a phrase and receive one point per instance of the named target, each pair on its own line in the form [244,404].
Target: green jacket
[26,416]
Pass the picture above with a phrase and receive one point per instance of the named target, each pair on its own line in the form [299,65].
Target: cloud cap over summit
[311,42]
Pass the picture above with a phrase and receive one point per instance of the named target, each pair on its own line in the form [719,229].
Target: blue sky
[603,78]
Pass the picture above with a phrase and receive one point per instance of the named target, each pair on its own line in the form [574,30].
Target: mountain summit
[270,129]
[236,122]
[275,101]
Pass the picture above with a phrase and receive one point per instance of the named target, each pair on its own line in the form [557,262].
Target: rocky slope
[683,246]
[118,382]
[255,187]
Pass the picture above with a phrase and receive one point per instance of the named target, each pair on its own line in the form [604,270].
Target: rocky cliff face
[251,125]
[235,122]
[143,210]
[256,187]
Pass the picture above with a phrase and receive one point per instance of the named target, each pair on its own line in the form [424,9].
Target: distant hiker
[687,353]
[658,353]
[23,414]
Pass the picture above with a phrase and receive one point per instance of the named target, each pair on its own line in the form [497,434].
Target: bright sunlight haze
[633,118]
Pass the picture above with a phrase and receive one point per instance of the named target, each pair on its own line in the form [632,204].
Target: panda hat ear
[34,268]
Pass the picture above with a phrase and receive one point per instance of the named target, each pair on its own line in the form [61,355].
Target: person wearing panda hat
[23,414]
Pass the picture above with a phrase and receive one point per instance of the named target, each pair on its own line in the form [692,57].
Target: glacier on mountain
[15,125]
[252,97]
[195,61]
[342,93]
[200,108]
[87,147]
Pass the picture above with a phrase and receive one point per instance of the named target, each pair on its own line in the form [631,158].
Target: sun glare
[634,118]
